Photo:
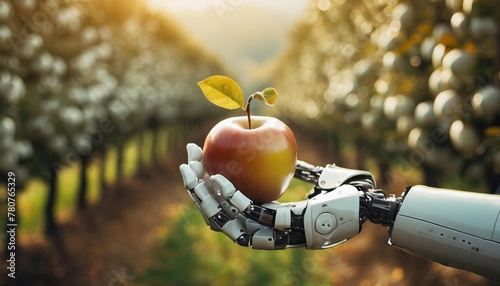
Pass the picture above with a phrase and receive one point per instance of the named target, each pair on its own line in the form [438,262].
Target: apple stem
[247,110]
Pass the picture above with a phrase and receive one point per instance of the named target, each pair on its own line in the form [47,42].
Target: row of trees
[408,81]
[80,77]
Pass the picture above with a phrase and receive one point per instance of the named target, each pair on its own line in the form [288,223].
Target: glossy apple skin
[260,162]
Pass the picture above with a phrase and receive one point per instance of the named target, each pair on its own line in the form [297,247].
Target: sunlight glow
[175,5]
[228,29]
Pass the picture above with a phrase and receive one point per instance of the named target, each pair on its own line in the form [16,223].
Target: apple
[482,28]
[434,82]
[459,23]
[398,105]
[427,47]
[486,101]
[459,62]
[448,105]
[394,62]
[405,15]
[464,138]
[417,138]
[424,114]
[257,154]
[449,80]
[437,55]
[405,124]
[260,162]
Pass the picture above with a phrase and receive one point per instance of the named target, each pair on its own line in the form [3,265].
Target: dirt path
[112,241]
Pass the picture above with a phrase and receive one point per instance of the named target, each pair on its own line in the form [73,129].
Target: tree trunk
[82,192]
[360,155]
[383,168]
[50,222]
[333,147]
[119,162]
[431,176]
[140,150]
[493,180]
[154,146]
[102,174]
[168,134]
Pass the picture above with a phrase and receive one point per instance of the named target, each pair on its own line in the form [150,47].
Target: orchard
[412,83]
[78,78]
[377,85]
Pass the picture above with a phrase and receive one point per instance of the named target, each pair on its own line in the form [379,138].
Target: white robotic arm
[455,228]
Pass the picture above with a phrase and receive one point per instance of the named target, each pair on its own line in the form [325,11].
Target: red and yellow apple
[260,162]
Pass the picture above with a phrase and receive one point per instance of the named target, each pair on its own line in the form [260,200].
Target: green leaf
[222,91]
[268,96]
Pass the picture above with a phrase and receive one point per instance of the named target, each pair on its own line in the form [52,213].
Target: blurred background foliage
[94,91]
[79,78]
[402,81]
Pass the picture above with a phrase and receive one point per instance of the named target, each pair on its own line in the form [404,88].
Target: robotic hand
[455,228]
[337,206]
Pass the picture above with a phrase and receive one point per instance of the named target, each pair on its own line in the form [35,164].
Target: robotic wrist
[332,218]
[374,205]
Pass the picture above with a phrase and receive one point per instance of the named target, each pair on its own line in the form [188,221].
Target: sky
[248,36]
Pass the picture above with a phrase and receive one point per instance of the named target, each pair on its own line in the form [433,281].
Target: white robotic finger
[189,176]
[198,168]
[263,239]
[283,218]
[233,229]
[240,201]
[208,204]
[194,152]
[223,185]
[191,182]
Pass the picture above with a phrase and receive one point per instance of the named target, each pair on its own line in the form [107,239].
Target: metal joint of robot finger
[240,201]
[230,210]
[228,191]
